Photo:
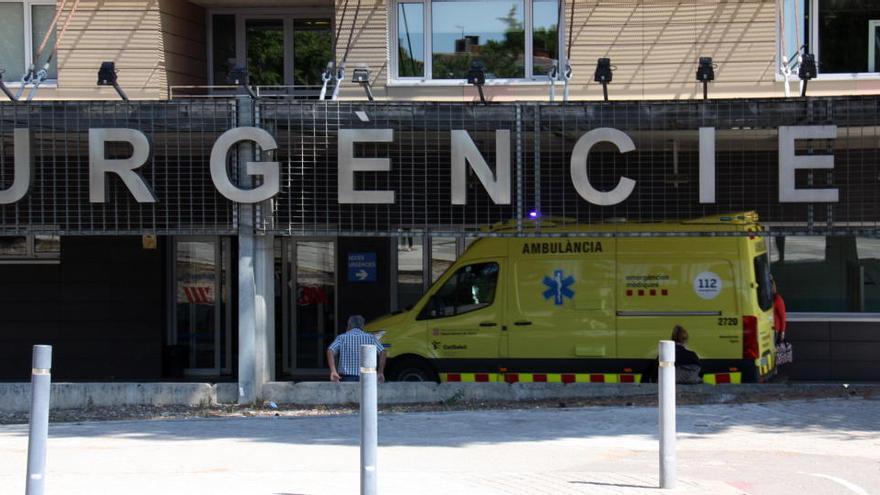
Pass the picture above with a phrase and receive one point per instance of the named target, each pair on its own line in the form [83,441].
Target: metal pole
[369,421]
[667,414]
[41,381]
[247,291]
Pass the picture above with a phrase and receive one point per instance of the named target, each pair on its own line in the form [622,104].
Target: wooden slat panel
[122,40]
[184,38]
[124,31]
[87,5]
[193,30]
[91,59]
[129,78]
[368,42]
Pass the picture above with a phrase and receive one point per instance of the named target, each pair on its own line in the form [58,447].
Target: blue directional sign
[361,267]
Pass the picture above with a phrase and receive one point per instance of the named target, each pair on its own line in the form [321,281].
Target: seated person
[687,363]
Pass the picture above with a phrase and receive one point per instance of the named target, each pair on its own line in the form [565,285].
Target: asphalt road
[802,447]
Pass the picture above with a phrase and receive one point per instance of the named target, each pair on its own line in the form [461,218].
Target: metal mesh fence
[181,135]
[665,165]
[419,155]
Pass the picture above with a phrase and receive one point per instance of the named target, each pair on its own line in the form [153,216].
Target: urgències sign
[464,153]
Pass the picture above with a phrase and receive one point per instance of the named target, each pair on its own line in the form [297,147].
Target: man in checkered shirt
[347,350]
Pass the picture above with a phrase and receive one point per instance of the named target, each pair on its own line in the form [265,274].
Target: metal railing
[291,92]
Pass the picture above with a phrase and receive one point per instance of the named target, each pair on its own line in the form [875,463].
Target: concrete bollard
[666,391]
[369,420]
[41,381]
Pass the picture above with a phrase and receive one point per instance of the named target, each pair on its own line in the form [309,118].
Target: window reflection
[490,30]
[827,274]
[545,37]
[13,246]
[41,19]
[844,31]
[410,276]
[443,254]
[410,40]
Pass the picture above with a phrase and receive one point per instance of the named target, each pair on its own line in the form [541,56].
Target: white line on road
[842,482]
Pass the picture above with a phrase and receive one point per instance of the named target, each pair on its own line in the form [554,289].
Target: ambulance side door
[562,304]
[464,316]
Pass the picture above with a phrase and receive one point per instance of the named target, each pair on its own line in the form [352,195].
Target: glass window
[410,275]
[13,246]
[827,274]
[410,40]
[443,255]
[315,302]
[472,287]
[265,51]
[312,49]
[223,46]
[41,19]
[792,31]
[29,248]
[12,53]
[489,30]
[545,36]
[844,33]
[47,244]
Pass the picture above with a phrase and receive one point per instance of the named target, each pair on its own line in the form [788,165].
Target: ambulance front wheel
[413,370]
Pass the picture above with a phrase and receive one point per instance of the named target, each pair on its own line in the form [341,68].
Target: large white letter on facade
[579,176]
[497,184]
[269,171]
[707,164]
[23,167]
[789,163]
[348,165]
[100,165]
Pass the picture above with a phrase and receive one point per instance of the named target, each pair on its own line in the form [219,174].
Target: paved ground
[802,447]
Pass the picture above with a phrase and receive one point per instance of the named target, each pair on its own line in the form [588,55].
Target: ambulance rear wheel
[413,370]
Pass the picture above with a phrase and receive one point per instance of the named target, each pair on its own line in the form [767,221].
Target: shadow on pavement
[840,419]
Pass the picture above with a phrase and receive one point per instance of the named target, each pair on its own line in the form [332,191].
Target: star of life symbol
[558,287]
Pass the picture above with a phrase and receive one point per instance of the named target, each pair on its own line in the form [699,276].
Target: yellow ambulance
[592,307]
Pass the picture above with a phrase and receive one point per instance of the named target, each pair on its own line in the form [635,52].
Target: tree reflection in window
[461,33]
[410,40]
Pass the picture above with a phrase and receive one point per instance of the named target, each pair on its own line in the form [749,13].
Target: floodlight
[107,77]
[361,75]
[603,74]
[477,77]
[705,74]
[807,70]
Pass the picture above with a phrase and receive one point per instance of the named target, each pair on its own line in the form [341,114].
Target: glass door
[201,310]
[264,40]
[282,52]
[312,50]
[306,272]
